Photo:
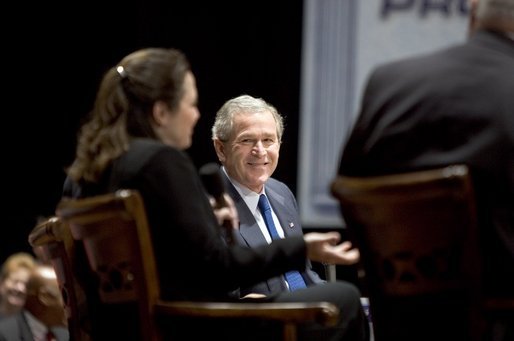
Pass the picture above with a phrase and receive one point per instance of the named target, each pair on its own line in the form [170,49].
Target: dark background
[54,56]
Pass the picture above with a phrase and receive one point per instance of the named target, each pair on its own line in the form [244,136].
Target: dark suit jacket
[192,259]
[249,234]
[452,106]
[16,328]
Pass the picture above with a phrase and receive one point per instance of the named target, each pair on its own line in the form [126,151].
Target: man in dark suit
[247,135]
[455,105]
[249,234]
[43,317]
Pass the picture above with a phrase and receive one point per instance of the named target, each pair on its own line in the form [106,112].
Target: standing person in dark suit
[142,121]
[452,106]
[42,317]
[247,134]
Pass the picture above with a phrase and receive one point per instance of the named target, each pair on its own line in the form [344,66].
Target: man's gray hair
[244,104]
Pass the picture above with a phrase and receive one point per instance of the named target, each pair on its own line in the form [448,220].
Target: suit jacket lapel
[284,213]
[248,228]
[24,329]
[250,232]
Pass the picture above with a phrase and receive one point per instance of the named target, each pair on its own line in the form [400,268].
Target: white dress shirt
[252,201]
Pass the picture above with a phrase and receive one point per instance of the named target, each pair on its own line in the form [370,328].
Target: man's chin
[16,301]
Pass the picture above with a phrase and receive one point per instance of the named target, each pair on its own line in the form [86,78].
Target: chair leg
[290,332]
[330,272]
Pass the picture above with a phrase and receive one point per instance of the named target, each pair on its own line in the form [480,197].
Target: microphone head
[210,174]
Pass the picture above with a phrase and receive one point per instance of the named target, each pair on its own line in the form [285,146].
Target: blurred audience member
[43,317]
[247,135]
[13,279]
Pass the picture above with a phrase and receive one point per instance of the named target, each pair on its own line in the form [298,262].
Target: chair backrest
[112,230]
[52,243]
[417,233]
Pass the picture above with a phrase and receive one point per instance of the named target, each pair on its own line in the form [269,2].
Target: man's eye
[268,142]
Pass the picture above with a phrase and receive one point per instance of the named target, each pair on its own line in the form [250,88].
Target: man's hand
[226,215]
[253,295]
[325,248]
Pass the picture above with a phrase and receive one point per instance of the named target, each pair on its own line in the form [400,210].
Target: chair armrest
[324,313]
[47,232]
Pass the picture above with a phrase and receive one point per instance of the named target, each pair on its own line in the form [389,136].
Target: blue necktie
[293,278]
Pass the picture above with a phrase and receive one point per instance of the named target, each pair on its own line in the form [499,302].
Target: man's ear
[160,112]
[220,150]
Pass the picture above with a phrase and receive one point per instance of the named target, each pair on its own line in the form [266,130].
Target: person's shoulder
[158,156]
[144,153]
[9,326]
[497,47]
[144,145]
[491,38]
[6,320]
[420,60]
[276,184]
[143,150]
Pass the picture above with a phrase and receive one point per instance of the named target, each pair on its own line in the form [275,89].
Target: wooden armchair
[113,231]
[417,233]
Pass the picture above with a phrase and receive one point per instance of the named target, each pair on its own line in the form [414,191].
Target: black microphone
[210,174]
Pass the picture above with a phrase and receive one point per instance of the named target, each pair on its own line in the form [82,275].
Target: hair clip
[121,71]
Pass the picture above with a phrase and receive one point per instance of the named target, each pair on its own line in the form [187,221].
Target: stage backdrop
[342,41]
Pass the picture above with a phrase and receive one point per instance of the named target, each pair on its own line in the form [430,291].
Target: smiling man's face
[251,154]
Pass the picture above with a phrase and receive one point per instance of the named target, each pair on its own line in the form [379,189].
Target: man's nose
[259,148]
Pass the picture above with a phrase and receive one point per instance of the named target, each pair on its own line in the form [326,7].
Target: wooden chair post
[52,243]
